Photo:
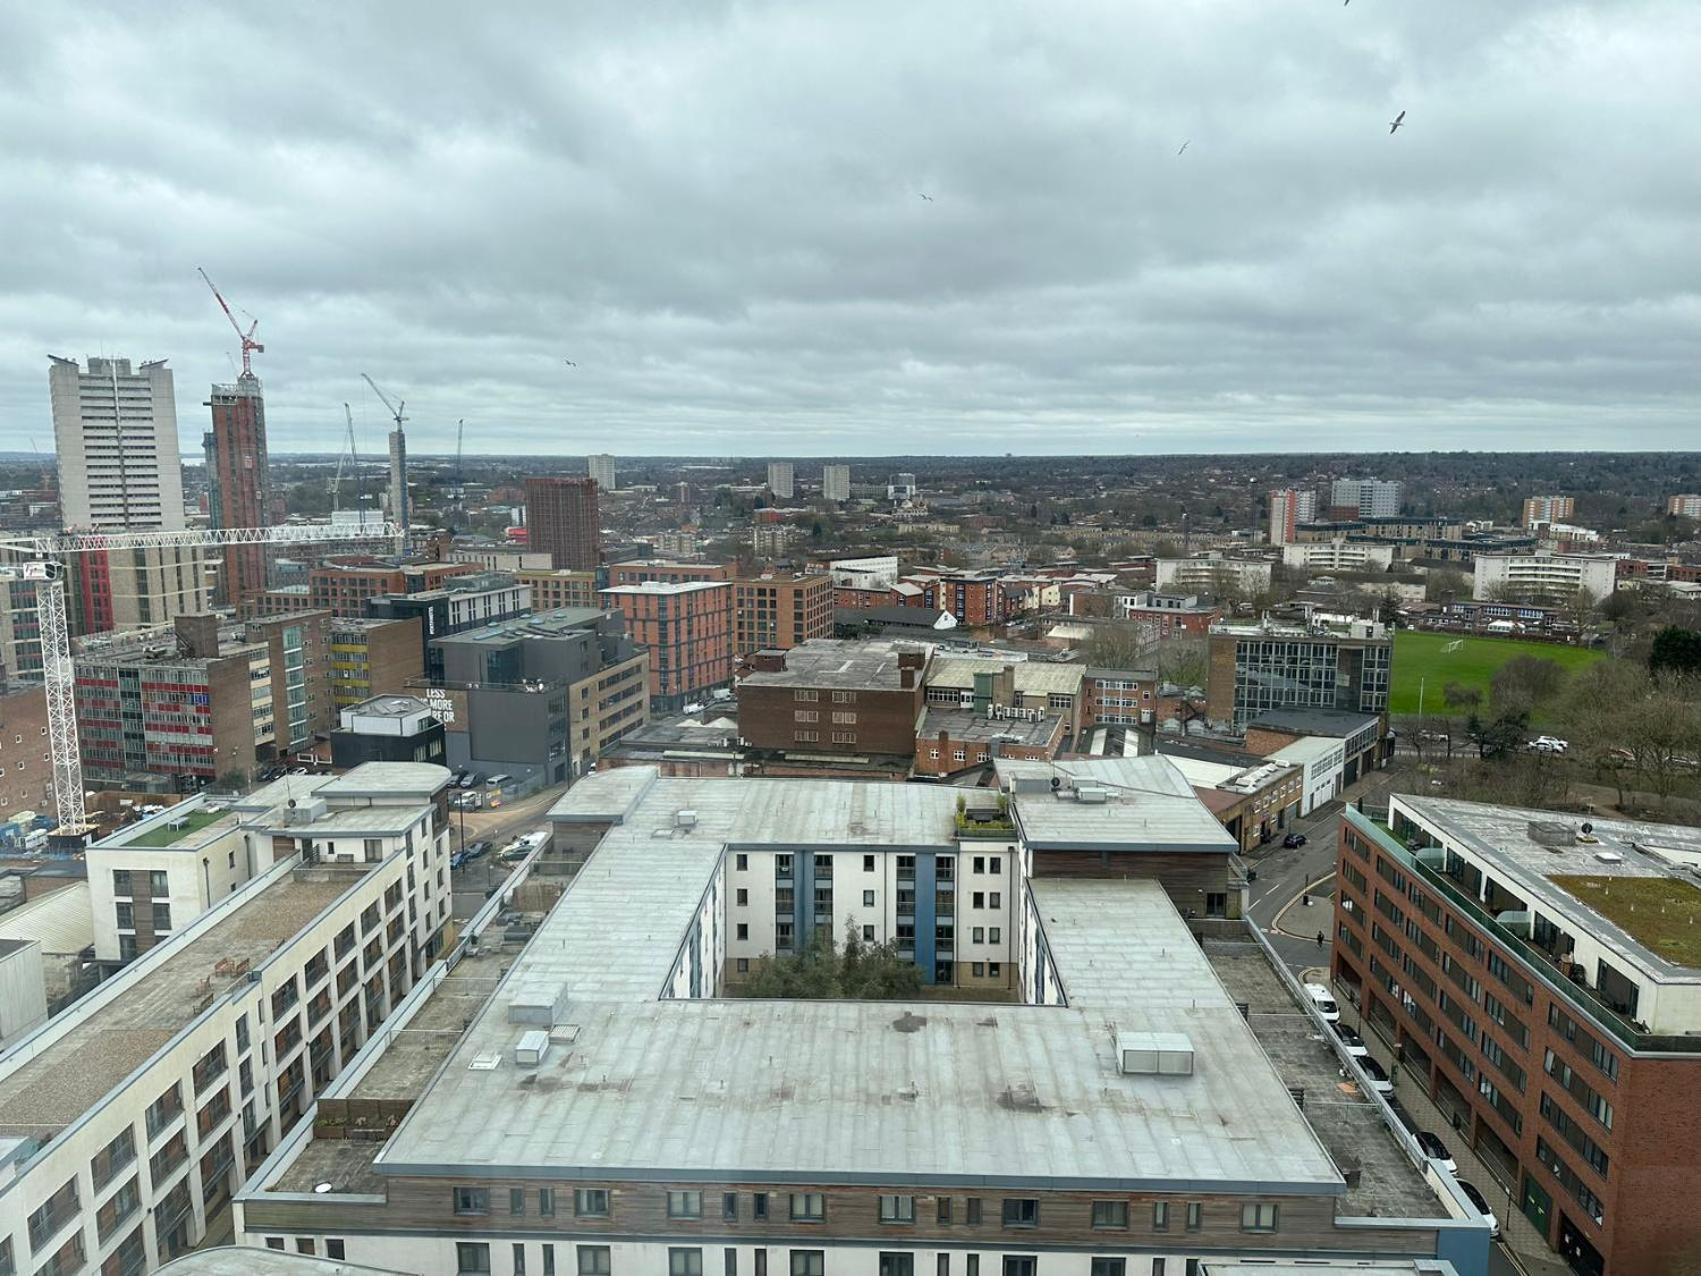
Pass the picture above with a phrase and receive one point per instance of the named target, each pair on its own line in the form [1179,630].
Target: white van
[1324,1001]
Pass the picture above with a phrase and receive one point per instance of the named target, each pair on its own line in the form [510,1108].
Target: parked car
[1293,839]
[458,860]
[1353,1043]
[1324,1000]
[1436,1150]
[1549,744]
[1476,1198]
[1379,1081]
[476,849]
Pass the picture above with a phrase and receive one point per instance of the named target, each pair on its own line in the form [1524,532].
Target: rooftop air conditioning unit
[686,819]
[1166,1054]
[1092,793]
[531,1048]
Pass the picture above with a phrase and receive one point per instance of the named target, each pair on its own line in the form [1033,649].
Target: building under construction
[238,489]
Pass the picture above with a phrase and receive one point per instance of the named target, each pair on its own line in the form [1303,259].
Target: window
[684,1262]
[517,1200]
[546,1202]
[549,1260]
[978,969]
[112,1158]
[868,863]
[995,900]
[979,899]
[1195,1216]
[978,934]
[729,1206]
[472,1200]
[274,1242]
[894,1264]
[1111,1266]
[996,864]
[472,1258]
[742,863]
[121,882]
[590,1202]
[1110,1214]
[685,1205]
[868,899]
[1257,1218]
[808,1207]
[808,1262]
[162,918]
[519,1259]
[759,1205]
[334,1248]
[994,934]
[743,897]
[1020,1265]
[743,930]
[1160,1216]
[594,1260]
[974,1209]
[1021,1211]
[943,1266]
[944,1209]
[994,970]
[897,1209]
[163,1110]
[868,934]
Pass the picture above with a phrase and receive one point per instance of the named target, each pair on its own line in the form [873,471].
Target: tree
[1440,586]
[1675,650]
[1579,609]
[1500,736]
[859,970]
[1525,682]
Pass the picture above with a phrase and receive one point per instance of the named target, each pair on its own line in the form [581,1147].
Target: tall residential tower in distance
[1351,498]
[562,519]
[835,482]
[781,475]
[238,489]
[601,468]
[115,431]
[1288,509]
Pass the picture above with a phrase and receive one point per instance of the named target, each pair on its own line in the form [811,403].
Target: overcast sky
[714,210]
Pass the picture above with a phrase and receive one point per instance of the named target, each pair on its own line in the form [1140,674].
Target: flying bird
[569,363]
[1398,120]
[1184,146]
[928,198]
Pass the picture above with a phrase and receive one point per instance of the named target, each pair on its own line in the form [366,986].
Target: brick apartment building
[833,708]
[344,588]
[780,611]
[1521,966]
[687,627]
[670,573]
[26,767]
[563,520]
[371,657]
[1161,616]
[1119,697]
[553,589]
[975,598]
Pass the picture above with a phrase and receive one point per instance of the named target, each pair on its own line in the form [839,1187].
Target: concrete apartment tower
[601,468]
[835,482]
[115,431]
[1288,509]
[781,478]
[562,519]
[238,485]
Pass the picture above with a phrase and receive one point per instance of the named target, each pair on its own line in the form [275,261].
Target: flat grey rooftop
[829,662]
[848,1091]
[556,623]
[370,820]
[387,780]
[777,814]
[966,724]
[243,1260]
[1315,721]
[1500,839]
[1150,806]
[1032,677]
[42,1095]
[1384,1183]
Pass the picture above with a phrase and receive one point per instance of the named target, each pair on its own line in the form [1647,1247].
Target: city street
[473,883]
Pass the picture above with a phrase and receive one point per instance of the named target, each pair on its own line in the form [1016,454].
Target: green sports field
[1437,659]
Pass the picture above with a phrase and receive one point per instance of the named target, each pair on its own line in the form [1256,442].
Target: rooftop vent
[1166,1054]
[686,819]
[485,1062]
[537,1008]
[1095,794]
[1609,857]
[531,1048]
[1551,833]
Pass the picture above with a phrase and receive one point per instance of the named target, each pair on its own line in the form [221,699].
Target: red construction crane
[249,345]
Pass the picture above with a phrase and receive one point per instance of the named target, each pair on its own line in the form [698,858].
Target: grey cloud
[713,209]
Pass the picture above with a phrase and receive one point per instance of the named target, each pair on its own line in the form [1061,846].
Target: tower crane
[398,457]
[38,558]
[250,347]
